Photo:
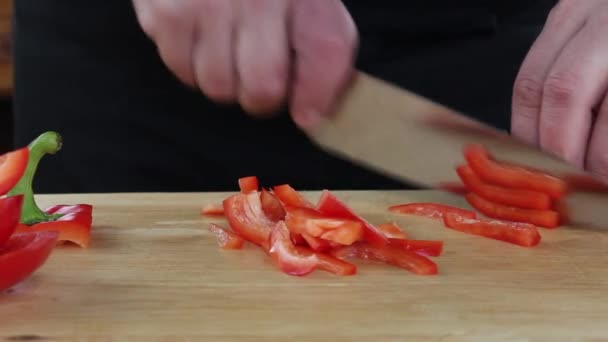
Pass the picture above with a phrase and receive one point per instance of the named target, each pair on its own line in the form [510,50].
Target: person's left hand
[560,99]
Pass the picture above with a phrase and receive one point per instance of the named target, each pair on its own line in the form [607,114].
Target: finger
[325,39]
[575,85]
[214,53]
[564,21]
[597,155]
[262,55]
[163,21]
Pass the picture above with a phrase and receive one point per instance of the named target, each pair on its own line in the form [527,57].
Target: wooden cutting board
[153,272]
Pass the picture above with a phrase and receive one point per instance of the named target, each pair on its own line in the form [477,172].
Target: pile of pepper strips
[28,234]
[300,237]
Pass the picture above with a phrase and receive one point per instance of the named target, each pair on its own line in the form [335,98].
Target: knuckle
[559,90]
[212,8]
[562,11]
[216,84]
[528,91]
[159,14]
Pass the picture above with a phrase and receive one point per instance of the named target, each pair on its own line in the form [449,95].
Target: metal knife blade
[414,140]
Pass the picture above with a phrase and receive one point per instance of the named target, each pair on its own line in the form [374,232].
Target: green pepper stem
[46,143]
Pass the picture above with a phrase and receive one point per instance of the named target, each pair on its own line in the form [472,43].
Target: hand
[560,96]
[260,53]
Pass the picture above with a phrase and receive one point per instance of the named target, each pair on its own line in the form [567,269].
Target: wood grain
[153,272]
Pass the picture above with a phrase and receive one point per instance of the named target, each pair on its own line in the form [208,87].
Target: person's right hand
[261,54]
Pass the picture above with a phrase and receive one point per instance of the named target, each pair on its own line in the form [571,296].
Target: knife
[412,139]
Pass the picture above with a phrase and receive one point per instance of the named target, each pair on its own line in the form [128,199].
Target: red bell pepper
[290,197]
[522,234]
[225,238]
[249,184]
[393,255]
[331,264]
[12,168]
[430,210]
[314,223]
[10,212]
[315,243]
[246,217]
[584,183]
[332,206]
[272,206]
[512,176]
[542,218]
[520,198]
[72,222]
[392,231]
[213,209]
[424,247]
[287,256]
[23,254]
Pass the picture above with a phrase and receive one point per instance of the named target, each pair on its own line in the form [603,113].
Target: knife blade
[412,139]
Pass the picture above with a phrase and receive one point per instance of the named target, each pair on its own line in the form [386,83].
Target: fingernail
[308,119]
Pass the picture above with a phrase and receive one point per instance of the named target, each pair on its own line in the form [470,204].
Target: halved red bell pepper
[511,176]
[10,213]
[272,206]
[23,254]
[290,197]
[12,168]
[392,231]
[286,255]
[332,206]
[394,255]
[225,238]
[430,210]
[72,222]
[246,217]
[542,218]
[522,234]
[424,247]
[213,209]
[520,198]
[249,184]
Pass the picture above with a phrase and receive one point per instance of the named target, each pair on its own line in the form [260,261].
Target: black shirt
[85,69]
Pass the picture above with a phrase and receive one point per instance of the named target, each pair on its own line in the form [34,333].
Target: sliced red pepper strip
[23,254]
[520,198]
[272,206]
[225,238]
[72,222]
[392,231]
[345,235]
[393,255]
[332,206]
[424,247]
[314,223]
[213,209]
[285,254]
[430,210]
[10,212]
[317,244]
[331,264]
[511,176]
[542,218]
[290,197]
[246,217]
[522,234]
[249,184]
[12,167]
